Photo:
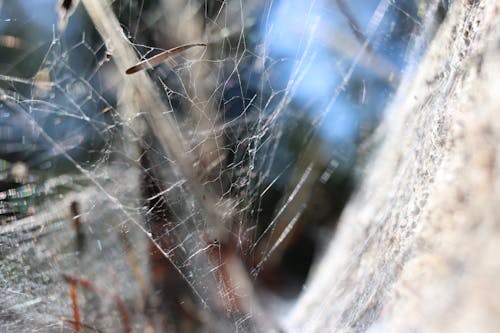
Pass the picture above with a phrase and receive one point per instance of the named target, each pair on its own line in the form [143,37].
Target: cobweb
[193,194]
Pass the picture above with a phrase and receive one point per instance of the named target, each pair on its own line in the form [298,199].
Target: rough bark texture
[417,248]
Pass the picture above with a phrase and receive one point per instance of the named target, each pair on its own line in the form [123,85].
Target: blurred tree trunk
[417,247]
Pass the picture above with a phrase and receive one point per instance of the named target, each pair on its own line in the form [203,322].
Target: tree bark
[417,247]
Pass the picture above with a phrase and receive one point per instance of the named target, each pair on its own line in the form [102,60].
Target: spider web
[187,196]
